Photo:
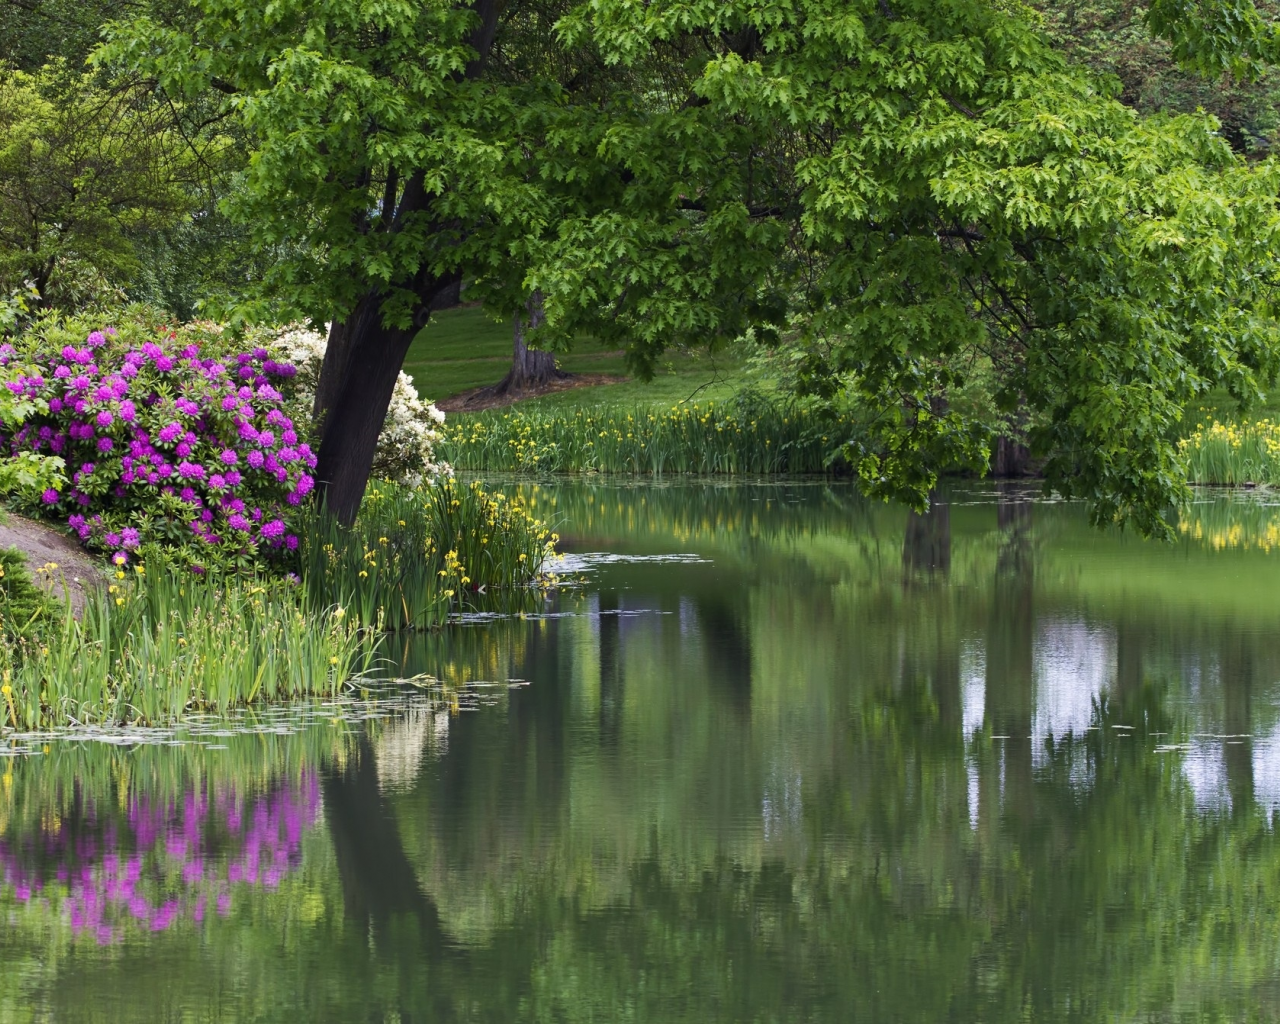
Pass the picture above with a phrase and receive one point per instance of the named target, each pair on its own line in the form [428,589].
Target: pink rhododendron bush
[172,439]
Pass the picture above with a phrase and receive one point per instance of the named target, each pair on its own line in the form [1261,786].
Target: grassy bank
[1230,454]
[417,555]
[161,641]
[698,438]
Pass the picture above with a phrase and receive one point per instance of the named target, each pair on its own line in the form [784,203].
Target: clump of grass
[748,435]
[1230,454]
[158,643]
[417,555]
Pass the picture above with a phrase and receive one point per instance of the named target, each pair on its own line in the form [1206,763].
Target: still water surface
[782,756]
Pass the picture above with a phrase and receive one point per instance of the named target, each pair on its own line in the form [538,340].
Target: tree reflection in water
[989,766]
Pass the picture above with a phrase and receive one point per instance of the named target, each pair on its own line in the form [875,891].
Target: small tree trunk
[530,368]
[1011,458]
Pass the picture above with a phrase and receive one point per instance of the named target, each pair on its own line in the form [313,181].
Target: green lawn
[463,349]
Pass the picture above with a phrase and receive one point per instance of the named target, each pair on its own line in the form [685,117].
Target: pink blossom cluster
[165,862]
[164,445]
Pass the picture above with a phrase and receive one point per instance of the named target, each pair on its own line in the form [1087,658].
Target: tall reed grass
[157,643]
[1231,454]
[417,555]
[751,435]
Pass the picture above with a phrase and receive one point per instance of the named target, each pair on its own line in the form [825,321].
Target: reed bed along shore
[417,555]
[1234,454]
[752,437]
[158,642]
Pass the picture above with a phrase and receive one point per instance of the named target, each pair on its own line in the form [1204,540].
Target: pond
[778,754]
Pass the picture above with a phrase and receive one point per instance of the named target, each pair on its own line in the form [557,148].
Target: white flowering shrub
[406,447]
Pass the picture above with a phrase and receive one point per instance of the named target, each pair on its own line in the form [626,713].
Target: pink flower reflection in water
[165,862]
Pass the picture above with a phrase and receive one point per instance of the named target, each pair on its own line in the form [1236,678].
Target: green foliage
[157,644]
[23,605]
[988,201]
[746,435]
[1216,36]
[904,190]
[32,34]
[1111,37]
[416,555]
[82,170]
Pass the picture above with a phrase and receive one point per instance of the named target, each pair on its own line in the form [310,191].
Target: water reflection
[846,764]
[152,864]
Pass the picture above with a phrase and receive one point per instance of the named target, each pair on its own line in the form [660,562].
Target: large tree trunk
[361,363]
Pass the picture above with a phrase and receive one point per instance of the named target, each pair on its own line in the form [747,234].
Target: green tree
[83,170]
[1111,37]
[915,191]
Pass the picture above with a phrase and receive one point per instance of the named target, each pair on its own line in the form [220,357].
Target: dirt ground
[476,400]
[73,572]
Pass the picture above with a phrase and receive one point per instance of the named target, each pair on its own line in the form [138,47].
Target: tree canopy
[918,198]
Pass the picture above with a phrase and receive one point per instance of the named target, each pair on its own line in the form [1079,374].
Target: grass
[748,435]
[417,555]
[23,605]
[159,643]
[463,349]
